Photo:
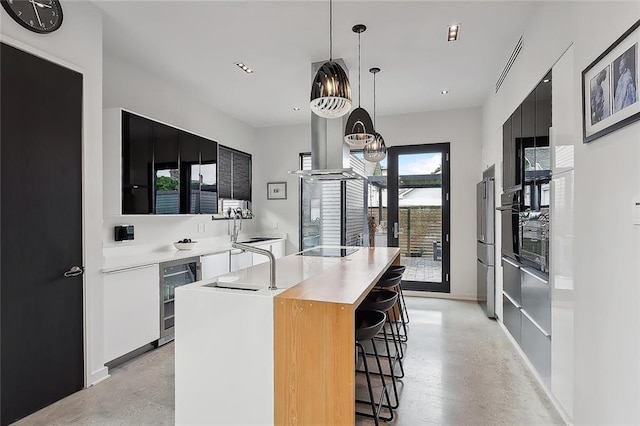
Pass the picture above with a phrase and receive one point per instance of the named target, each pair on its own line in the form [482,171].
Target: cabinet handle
[515,265]
[535,323]
[513,302]
[534,276]
[133,268]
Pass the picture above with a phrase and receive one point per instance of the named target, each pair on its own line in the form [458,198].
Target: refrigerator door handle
[396,232]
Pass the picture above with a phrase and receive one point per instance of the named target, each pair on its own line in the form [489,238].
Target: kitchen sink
[233,286]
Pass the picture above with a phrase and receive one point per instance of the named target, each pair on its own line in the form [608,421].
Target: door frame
[88,340]
[393,209]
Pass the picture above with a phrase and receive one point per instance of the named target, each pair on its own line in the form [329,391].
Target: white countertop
[290,270]
[167,253]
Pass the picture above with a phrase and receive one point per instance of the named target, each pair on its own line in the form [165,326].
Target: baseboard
[565,417]
[98,376]
[435,295]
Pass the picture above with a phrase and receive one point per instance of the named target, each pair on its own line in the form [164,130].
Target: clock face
[40,16]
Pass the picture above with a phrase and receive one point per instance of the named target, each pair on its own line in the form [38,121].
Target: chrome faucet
[237,213]
[272,260]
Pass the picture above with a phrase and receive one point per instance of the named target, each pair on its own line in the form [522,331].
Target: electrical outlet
[201,227]
[275,224]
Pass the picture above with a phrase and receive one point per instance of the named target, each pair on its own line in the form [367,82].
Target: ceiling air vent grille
[507,68]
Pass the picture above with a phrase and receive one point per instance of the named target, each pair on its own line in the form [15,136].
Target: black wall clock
[40,16]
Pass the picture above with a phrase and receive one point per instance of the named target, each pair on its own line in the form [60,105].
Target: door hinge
[446,277]
[446,237]
[446,196]
[447,156]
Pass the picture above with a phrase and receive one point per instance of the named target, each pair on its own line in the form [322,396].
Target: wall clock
[40,16]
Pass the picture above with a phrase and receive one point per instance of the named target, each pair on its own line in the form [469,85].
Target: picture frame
[610,89]
[276,190]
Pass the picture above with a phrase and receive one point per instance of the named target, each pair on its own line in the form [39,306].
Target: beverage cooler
[174,274]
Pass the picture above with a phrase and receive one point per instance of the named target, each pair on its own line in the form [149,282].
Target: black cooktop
[329,252]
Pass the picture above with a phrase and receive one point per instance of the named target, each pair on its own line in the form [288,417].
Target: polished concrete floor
[460,370]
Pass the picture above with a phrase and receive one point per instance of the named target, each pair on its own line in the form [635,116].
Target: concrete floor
[460,370]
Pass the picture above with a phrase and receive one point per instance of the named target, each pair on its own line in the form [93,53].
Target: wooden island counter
[284,356]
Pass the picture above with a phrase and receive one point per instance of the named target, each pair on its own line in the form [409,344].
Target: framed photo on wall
[276,190]
[610,92]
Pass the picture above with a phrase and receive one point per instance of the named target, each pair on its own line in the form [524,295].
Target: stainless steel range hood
[329,151]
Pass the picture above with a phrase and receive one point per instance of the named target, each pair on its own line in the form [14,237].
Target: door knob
[74,271]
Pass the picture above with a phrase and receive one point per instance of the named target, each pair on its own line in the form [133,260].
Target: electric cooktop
[329,252]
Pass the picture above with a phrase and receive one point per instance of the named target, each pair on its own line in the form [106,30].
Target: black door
[418,217]
[41,311]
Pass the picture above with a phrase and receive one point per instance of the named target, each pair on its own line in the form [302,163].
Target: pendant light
[330,90]
[376,150]
[359,129]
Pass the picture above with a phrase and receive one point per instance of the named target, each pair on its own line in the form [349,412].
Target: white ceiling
[193,45]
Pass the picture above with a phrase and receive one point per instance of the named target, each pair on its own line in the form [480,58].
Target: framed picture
[276,190]
[610,94]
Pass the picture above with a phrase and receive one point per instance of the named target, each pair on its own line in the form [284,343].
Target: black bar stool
[391,281]
[400,269]
[368,324]
[384,300]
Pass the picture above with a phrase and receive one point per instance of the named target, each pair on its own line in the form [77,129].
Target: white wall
[607,178]
[78,45]
[139,91]
[279,147]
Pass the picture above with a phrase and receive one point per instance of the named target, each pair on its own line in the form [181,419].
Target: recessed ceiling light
[243,67]
[296,108]
[444,92]
[452,33]
[546,80]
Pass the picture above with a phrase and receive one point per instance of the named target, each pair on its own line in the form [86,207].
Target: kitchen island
[283,356]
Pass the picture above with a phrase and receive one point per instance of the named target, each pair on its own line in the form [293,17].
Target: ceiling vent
[507,68]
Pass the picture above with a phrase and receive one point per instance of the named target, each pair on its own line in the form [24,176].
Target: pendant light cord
[359,96]
[330,30]
[374,100]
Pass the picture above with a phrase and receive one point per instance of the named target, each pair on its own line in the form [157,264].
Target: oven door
[510,231]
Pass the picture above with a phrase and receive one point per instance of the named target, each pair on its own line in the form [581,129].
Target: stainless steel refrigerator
[485,246]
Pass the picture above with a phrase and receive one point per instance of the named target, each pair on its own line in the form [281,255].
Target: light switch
[636,211]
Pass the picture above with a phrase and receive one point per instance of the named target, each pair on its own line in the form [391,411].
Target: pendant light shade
[359,129]
[376,150]
[330,90]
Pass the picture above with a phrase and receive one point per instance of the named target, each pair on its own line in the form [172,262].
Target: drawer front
[536,300]
[485,253]
[537,346]
[511,317]
[511,279]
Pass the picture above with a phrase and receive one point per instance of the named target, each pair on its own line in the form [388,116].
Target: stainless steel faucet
[272,260]
[237,213]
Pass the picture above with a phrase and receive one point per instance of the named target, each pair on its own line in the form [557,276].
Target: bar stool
[384,300]
[368,324]
[400,269]
[391,281]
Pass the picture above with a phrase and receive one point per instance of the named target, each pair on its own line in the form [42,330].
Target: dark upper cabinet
[137,164]
[169,171]
[166,147]
[189,173]
[208,177]
[507,156]
[234,175]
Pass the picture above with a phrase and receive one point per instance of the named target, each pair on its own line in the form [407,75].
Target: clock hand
[42,4]
[33,3]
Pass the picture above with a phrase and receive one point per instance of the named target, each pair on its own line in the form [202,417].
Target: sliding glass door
[417,192]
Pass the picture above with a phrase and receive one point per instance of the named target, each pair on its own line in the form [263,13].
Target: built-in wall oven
[174,274]
[510,212]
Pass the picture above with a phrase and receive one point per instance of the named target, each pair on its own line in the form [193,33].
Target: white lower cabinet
[240,259]
[214,265]
[131,310]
